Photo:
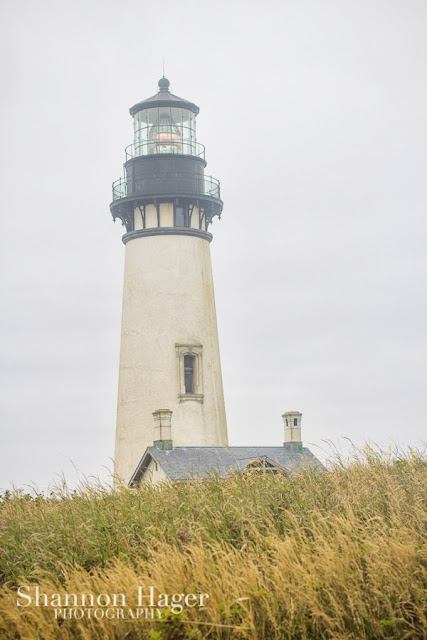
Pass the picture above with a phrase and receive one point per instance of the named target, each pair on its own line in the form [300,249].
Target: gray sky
[314,119]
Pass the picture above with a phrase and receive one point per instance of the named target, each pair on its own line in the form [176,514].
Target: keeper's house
[163,462]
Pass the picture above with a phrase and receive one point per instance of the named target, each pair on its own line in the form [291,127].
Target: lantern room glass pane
[165,130]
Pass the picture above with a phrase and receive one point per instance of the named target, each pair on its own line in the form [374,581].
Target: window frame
[195,351]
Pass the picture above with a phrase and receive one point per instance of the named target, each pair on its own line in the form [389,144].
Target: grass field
[339,554]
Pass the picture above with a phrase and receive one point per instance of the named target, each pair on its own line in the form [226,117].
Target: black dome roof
[164,99]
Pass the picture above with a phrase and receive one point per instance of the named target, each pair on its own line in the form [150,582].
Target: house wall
[154,473]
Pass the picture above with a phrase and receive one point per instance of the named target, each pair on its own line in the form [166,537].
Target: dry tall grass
[338,555]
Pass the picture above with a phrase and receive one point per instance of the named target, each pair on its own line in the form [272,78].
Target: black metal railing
[207,186]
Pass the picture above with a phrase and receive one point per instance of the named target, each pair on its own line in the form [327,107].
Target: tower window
[189,373]
[181,216]
[295,422]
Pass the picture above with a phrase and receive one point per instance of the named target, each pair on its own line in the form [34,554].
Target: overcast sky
[313,115]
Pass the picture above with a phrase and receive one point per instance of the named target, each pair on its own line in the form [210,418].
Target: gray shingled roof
[199,462]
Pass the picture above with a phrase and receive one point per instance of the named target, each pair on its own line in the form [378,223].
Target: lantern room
[164,123]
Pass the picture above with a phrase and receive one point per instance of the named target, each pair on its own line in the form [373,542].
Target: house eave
[140,469]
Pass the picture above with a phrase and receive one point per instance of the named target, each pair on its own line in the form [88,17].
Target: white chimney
[292,423]
[163,429]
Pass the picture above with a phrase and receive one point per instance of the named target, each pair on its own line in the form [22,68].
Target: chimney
[163,429]
[292,422]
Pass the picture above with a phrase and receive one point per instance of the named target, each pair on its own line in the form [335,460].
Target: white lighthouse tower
[169,355]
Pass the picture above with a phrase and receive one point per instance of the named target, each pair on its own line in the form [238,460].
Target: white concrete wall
[150,216]
[166,214]
[168,298]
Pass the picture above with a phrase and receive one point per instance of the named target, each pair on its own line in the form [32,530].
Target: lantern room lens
[165,137]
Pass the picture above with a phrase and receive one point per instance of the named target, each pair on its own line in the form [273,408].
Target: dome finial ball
[164,84]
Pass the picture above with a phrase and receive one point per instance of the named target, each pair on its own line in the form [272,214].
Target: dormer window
[262,465]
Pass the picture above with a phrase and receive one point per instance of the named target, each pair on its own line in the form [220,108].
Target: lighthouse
[170,369]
